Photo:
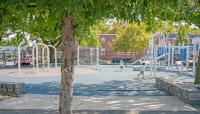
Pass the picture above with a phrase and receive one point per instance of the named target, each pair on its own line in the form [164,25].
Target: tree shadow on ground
[109,88]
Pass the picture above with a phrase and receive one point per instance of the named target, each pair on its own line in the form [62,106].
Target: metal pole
[97,55]
[179,52]
[56,62]
[37,65]
[55,55]
[187,59]
[182,47]
[179,49]
[90,56]
[172,60]
[19,60]
[194,60]
[13,55]
[78,56]
[168,61]
[48,58]
[19,57]
[169,53]
[33,57]
[151,55]
[155,59]
[165,52]
[198,47]
[43,57]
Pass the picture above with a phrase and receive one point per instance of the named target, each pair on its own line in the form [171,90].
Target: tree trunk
[67,68]
[197,77]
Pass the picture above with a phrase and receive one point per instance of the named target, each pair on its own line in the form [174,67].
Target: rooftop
[173,35]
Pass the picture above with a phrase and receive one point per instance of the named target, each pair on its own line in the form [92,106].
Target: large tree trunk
[197,77]
[67,68]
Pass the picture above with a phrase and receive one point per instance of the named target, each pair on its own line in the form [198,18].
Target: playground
[133,84]
[100,57]
[94,80]
[162,58]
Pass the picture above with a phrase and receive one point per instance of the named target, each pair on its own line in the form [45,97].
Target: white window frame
[103,40]
[103,51]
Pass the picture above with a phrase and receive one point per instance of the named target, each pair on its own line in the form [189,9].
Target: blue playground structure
[162,55]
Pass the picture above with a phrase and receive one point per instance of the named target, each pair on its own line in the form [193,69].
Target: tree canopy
[42,18]
[133,38]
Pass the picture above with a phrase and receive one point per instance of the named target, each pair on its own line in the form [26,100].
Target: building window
[103,39]
[103,51]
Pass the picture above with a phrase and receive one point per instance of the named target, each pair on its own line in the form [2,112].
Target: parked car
[125,60]
[116,60]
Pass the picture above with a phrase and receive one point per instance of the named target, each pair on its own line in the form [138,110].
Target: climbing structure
[166,56]
[39,51]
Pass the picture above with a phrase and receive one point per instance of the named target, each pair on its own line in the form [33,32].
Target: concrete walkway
[50,102]
[42,111]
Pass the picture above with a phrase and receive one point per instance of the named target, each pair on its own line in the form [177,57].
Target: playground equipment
[35,55]
[186,54]
[162,55]
[55,55]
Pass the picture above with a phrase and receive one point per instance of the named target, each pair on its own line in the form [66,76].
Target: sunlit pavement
[42,111]
[144,103]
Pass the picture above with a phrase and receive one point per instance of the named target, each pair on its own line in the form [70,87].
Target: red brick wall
[106,40]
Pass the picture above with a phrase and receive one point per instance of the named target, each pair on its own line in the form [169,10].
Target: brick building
[193,38]
[107,53]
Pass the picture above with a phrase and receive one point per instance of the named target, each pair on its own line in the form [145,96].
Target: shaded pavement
[109,88]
